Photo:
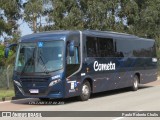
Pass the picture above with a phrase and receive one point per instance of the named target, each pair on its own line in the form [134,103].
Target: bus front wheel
[85,91]
[135,83]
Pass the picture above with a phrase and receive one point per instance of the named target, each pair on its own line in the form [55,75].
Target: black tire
[135,83]
[44,99]
[85,91]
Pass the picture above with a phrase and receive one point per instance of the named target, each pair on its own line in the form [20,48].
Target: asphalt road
[147,98]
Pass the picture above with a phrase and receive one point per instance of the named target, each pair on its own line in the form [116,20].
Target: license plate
[34,91]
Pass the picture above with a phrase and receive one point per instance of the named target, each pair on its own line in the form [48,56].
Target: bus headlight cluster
[54,82]
[17,83]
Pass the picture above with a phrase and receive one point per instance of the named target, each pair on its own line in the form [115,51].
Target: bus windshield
[39,57]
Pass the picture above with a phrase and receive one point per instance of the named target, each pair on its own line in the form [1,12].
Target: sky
[24,28]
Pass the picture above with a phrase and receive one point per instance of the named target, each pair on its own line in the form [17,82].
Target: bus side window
[99,47]
[91,44]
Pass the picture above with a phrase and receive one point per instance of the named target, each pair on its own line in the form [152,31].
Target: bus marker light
[83,74]
[87,69]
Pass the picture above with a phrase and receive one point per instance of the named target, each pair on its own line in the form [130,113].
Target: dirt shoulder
[155,83]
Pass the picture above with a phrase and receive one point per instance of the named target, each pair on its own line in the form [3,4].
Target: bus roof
[87,32]
[44,34]
[114,34]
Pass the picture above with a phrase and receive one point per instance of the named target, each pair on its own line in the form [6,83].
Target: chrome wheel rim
[135,83]
[85,90]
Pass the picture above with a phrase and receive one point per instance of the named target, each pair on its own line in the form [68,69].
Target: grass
[4,93]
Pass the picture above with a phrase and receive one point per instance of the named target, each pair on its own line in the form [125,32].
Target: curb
[3,99]
[18,100]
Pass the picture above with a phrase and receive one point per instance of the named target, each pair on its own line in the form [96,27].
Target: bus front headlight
[17,83]
[54,82]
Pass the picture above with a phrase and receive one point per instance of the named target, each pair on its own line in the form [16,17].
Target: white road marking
[17,100]
[118,118]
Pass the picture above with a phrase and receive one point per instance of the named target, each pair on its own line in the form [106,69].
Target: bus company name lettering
[104,67]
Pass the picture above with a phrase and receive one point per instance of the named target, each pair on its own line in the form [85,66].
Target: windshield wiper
[25,66]
[29,61]
[44,66]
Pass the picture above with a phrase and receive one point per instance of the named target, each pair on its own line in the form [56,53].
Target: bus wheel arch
[139,77]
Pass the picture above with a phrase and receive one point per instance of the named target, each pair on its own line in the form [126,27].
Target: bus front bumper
[39,91]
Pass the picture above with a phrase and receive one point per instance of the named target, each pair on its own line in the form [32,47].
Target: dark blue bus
[62,64]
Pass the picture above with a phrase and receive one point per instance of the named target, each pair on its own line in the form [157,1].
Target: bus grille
[40,84]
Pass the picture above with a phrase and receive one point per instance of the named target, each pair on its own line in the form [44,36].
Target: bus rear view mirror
[7,49]
[71,48]
[6,52]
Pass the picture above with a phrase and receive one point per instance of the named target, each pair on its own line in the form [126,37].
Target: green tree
[9,16]
[34,10]
[10,13]
[3,60]
[85,14]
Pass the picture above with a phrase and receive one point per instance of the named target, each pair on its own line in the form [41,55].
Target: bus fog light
[54,82]
[17,83]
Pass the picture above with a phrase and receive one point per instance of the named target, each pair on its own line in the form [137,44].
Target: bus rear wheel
[135,83]
[85,91]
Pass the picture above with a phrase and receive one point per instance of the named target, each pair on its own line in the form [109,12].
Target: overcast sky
[25,30]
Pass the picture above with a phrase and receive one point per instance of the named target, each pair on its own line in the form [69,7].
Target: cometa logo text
[104,67]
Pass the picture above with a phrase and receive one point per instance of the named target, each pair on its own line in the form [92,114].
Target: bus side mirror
[7,49]
[71,48]
[6,52]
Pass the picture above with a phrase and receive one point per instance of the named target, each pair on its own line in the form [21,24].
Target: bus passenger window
[99,47]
